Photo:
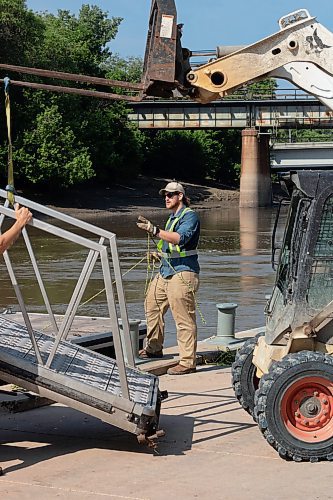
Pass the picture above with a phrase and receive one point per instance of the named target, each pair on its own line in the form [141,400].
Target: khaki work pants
[176,292]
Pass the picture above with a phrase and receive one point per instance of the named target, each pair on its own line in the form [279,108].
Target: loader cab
[304,277]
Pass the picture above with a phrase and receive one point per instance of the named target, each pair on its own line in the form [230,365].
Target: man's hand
[23,215]
[154,257]
[148,226]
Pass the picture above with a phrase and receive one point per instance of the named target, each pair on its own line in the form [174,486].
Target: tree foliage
[305,135]
[195,155]
[50,153]
[61,137]
[114,143]
[127,70]
[261,89]
[21,32]
[77,44]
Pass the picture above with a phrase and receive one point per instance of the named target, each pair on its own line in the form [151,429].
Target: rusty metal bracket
[166,63]
[151,441]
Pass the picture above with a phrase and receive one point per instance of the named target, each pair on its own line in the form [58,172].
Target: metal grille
[88,367]
[321,279]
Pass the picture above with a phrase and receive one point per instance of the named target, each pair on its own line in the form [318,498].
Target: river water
[235,255]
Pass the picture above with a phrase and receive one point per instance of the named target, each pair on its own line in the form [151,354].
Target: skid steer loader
[285,377]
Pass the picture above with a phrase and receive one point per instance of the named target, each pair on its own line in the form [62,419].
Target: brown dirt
[122,199]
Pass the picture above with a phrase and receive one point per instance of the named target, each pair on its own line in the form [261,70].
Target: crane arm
[301,52]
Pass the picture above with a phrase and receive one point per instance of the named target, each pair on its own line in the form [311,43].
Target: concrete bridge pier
[255,181]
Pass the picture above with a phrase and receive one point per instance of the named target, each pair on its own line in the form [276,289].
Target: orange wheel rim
[307,409]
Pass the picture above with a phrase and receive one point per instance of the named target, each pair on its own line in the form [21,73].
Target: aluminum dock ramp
[52,366]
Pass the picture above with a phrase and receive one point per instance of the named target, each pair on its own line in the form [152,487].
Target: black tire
[243,375]
[294,406]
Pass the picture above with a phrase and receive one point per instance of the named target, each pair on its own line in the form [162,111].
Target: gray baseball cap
[172,187]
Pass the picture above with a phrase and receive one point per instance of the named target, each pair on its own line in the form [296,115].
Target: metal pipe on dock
[226,320]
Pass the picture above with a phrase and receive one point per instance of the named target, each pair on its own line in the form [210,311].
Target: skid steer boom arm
[301,52]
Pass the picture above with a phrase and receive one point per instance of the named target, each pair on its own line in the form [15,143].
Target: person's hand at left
[23,215]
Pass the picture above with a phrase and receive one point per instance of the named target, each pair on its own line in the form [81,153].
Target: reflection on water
[235,253]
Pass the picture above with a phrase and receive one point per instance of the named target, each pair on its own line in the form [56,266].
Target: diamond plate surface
[87,367]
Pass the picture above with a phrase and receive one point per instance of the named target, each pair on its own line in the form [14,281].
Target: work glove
[148,226]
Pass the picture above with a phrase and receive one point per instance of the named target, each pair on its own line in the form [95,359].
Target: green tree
[127,70]
[195,155]
[78,44]
[262,89]
[115,144]
[20,38]
[178,154]
[50,154]
[304,135]
[21,33]
[226,167]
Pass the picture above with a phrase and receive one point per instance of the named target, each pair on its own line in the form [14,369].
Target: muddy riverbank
[132,197]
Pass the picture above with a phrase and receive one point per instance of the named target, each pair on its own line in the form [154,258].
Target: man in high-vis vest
[177,281]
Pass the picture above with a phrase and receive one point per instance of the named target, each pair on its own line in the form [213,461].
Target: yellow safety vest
[174,250]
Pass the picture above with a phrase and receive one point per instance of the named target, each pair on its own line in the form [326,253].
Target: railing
[103,248]
[287,94]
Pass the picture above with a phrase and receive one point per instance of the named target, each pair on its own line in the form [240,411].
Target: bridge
[300,155]
[294,109]
[255,114]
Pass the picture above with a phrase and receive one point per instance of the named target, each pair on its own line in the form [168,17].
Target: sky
[207,23]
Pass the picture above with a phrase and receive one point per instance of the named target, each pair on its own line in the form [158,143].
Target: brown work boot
[180,370]
[144,354]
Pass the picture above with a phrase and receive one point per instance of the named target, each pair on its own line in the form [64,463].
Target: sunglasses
[171,195]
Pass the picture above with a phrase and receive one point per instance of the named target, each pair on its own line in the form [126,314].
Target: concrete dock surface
[212,449]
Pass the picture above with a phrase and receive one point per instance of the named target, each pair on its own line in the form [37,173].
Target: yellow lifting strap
[10,185]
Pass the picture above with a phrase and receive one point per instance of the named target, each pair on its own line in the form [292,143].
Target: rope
[10,186]
[101,291]
[148,280]
[149,267]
